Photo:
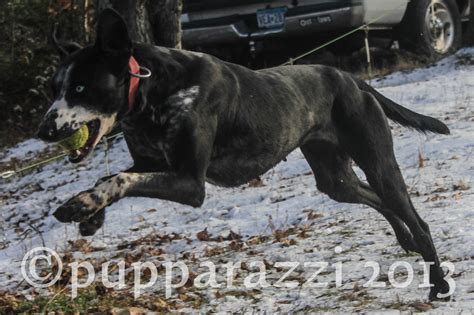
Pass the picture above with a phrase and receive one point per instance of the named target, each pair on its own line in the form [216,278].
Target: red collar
[134,82]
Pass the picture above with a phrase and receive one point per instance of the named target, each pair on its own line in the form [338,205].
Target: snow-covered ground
[285,219]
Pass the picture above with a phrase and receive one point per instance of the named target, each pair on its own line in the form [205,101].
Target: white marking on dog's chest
[191,92]
[176,106]
[184,98]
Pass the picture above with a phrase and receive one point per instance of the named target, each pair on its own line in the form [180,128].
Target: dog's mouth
[77,155]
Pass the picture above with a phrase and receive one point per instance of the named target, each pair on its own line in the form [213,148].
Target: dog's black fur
[201,119]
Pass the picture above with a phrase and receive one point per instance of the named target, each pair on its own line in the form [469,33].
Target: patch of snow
[289,195]
[24,150]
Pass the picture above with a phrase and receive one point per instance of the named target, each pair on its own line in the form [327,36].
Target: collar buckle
[136,73]
[146,73]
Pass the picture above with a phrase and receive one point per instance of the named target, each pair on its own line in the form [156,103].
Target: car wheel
[431,27]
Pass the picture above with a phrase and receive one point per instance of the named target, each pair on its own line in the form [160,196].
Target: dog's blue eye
[79,88]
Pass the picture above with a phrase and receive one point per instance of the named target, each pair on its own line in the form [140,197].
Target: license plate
[271,18]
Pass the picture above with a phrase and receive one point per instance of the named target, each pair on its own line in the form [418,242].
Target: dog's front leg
[141,165]
[186,185]
[167,185]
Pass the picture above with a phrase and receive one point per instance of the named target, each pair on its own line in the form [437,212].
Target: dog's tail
[404,116]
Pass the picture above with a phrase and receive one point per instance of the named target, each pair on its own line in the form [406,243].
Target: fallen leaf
[312,215]
[422,307]
[461,186]
[203,235]
[440,190]
[257,182]
[421,160]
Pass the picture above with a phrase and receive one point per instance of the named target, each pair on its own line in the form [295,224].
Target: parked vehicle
[431,27]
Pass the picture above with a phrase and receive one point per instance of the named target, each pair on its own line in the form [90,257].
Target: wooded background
[28,60]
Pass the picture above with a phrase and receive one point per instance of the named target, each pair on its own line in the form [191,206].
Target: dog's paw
[79,208]
[409,245]
[440,288]
[90,227]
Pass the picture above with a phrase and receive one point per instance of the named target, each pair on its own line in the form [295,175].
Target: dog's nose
[47,131]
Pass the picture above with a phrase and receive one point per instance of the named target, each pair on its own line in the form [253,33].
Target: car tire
[431,27]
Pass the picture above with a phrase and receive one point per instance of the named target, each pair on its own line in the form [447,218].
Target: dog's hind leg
[364,132]
[336,178]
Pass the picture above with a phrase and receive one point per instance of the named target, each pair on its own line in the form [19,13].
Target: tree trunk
[88,19]
[149,21]
[135,15]
[165,22]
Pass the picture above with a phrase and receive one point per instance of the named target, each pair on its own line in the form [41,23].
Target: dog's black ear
[112,33]
[63,48]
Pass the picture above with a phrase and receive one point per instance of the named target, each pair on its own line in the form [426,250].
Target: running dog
[189,118]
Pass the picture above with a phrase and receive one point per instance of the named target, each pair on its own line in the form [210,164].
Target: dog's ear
[112,34]
[64,48]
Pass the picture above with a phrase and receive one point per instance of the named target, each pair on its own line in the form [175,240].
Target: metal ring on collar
[146,73]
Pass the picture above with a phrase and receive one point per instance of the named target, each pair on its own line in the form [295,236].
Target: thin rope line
[10,173]
[107,166]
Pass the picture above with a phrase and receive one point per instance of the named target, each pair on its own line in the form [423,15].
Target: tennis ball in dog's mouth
[77,140]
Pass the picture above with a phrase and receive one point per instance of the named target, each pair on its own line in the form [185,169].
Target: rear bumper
[295,25]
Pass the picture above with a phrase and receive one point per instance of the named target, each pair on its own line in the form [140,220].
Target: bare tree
[165,22]
[149,21]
